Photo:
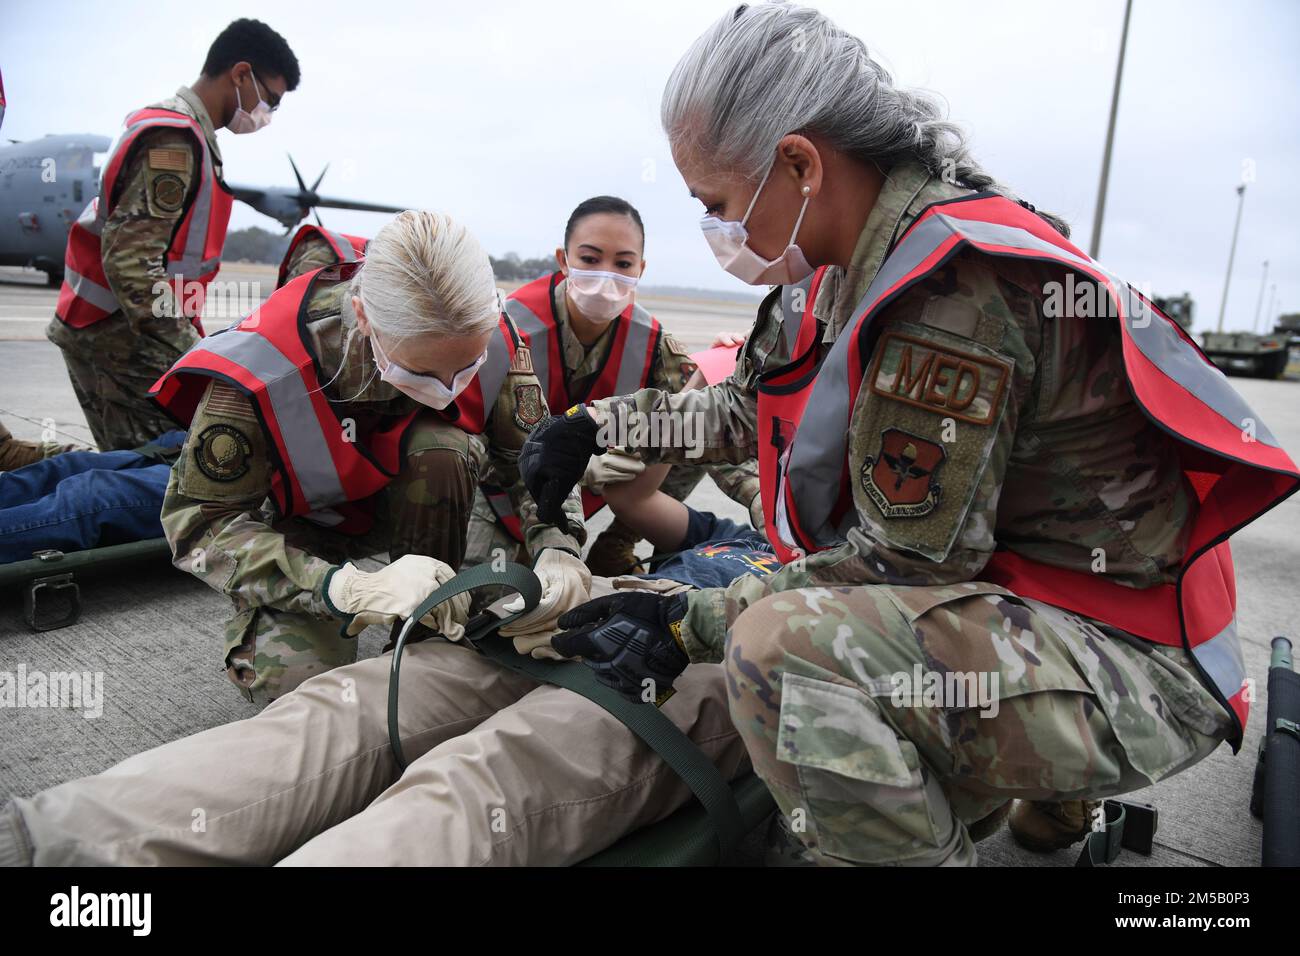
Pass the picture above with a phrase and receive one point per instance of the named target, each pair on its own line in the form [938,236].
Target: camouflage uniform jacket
[153,189]
[223,513]
[1058,463]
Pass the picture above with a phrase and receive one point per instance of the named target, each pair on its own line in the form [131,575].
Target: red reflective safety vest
[193,256]
[1233,463]
[322,464]
[346,248]
[626,368]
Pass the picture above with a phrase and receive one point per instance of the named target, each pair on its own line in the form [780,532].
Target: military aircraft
[46,183]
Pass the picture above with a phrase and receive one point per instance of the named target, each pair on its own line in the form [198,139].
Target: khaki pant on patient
[502,771]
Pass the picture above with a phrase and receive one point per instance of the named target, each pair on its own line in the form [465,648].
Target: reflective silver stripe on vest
[341,244]
[817,455]
[493,372]
[500,502]
[791,316]
[309,454]
[191,263]
[1154,337]
[89,219]
[538,334]
[91,291]
[1221,659]
[632,365]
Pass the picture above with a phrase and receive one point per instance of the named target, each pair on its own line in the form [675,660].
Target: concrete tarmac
[156,633]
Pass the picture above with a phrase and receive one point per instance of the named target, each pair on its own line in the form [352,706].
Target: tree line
[260,245]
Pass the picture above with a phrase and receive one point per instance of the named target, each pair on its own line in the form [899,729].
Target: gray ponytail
[766,70]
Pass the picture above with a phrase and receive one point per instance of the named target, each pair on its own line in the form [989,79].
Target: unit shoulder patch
[167,192]
[901,477]
[223,452]
[529,406]
[949,381]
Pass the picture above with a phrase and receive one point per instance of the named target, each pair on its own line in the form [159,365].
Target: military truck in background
[1265,356]
[1179,308]
[1289,326]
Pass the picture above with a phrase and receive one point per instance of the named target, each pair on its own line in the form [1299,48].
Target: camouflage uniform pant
[424,510]
[869,768]
[112,369]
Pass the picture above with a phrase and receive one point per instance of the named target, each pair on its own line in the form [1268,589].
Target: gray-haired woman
[1001,513]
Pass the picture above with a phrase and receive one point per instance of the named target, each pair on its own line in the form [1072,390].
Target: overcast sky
[508,114]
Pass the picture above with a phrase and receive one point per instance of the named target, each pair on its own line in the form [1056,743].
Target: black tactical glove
[628,639]
[554,458]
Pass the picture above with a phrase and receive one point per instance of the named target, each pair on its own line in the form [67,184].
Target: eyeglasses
[272,105]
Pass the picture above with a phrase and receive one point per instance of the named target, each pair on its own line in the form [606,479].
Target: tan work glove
[615,466]
[566,583]
[756,513]
[380,597]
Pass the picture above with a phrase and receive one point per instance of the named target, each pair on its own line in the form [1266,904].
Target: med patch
[949,381]
[901,477]
[922,435]
[223,452]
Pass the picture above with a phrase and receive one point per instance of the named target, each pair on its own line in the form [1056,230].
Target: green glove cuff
[325,596]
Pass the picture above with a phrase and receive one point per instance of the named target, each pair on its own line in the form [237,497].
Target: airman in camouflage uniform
[612,551]
[223,529]
[1057,459]
[114,362]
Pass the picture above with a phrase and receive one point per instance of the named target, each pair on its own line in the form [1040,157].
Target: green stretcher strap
[652,726]
[644,720]
[516,577]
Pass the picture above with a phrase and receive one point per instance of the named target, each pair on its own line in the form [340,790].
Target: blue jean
[82,499]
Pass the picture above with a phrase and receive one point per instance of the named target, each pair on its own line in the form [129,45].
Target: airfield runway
[156,633]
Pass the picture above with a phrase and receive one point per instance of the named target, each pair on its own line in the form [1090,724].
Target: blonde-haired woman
[353,413]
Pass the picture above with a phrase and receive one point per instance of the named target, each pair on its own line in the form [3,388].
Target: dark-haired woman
[589,339]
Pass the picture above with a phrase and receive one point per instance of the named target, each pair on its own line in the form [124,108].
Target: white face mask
[600,295]
[425,389]
[727,239]
[245,122]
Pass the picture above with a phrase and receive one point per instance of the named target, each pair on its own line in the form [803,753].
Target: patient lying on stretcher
[503,769]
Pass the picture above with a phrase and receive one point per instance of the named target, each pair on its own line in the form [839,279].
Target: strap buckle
[1129,825]
[41,593]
